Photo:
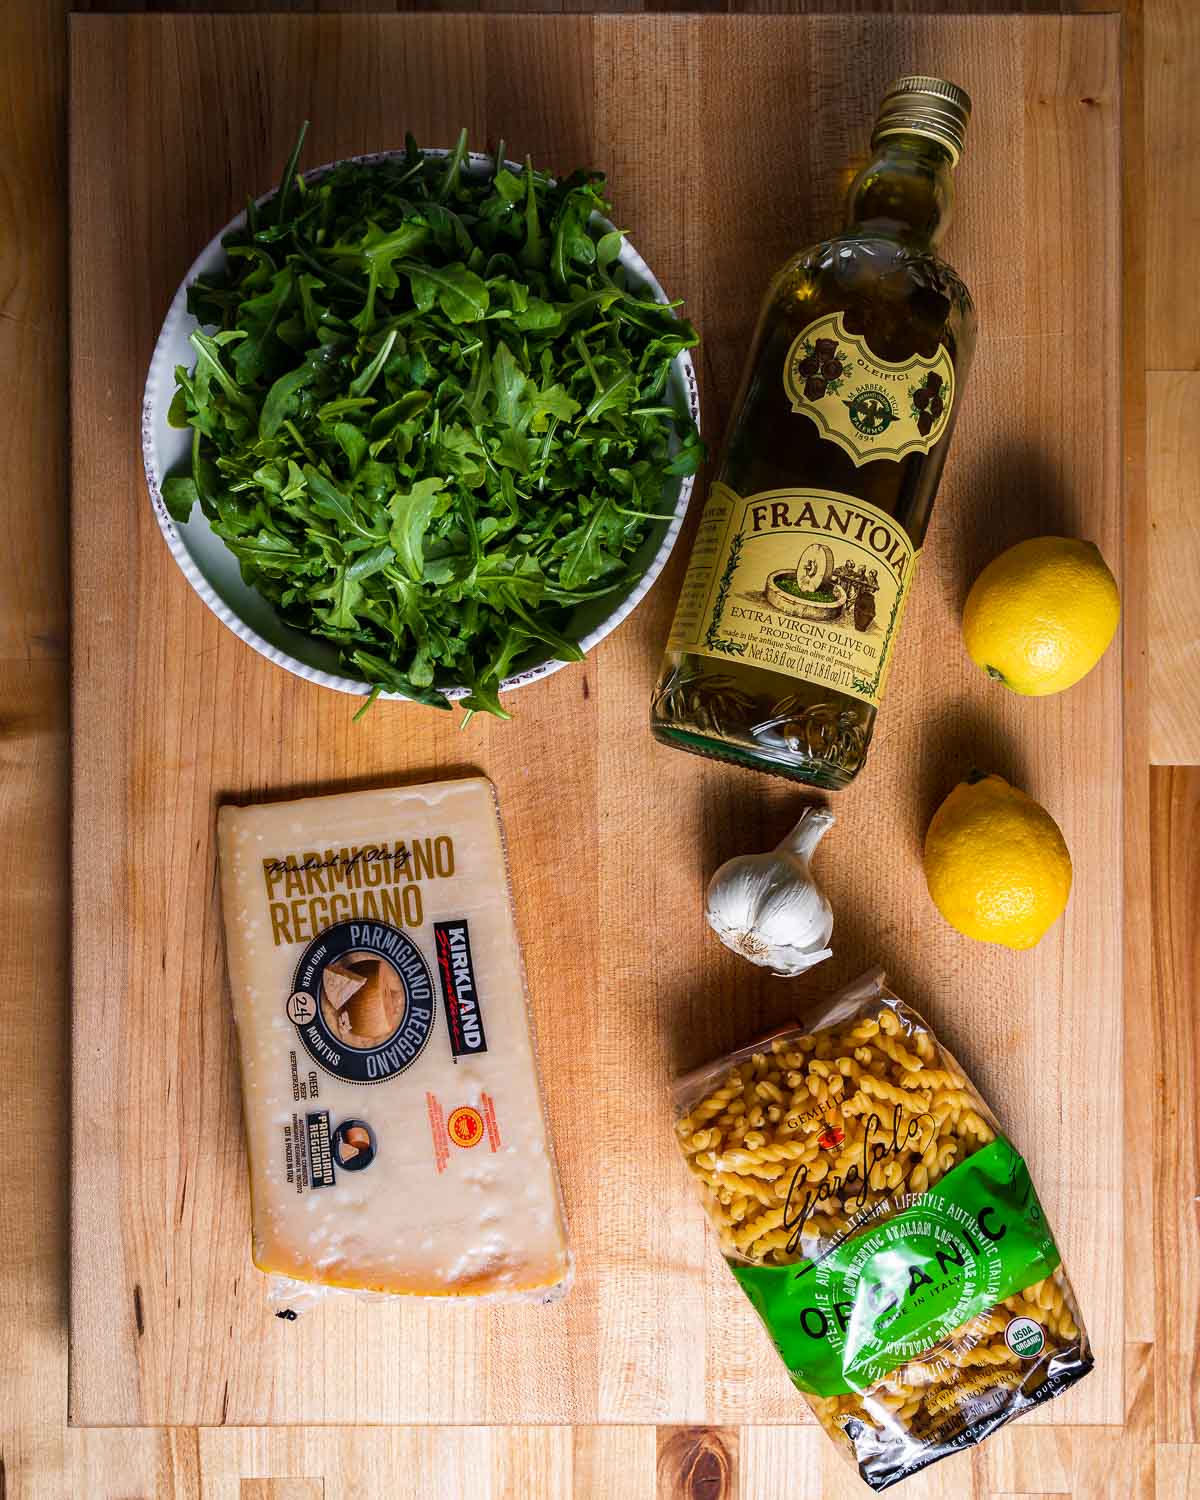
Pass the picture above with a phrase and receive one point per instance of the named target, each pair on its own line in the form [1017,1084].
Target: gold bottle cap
[920,105]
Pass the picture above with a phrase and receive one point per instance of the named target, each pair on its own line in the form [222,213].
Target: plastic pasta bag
[887,1234]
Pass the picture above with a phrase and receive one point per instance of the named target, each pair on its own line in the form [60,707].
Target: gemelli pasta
[885,1230]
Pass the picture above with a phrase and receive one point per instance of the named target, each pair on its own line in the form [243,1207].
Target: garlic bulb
[768,908]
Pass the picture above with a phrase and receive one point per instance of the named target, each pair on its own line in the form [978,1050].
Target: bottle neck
[905,192]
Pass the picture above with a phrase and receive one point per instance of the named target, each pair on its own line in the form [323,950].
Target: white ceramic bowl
[213,571]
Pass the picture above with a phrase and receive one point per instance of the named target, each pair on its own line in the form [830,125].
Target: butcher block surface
[729,141]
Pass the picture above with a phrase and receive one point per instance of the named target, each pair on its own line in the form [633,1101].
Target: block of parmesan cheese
[396,1132]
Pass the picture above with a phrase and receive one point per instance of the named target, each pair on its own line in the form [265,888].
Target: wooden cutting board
[729,142]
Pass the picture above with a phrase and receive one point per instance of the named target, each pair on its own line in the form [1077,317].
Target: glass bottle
[796,585]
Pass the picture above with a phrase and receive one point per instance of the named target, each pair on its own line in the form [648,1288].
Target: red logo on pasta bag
[831,1137]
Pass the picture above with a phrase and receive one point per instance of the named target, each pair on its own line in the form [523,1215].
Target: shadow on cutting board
[1008,494]
[330,786]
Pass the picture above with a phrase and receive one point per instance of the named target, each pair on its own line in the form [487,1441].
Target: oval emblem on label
[362,1001]
[465,1127]
[870,407]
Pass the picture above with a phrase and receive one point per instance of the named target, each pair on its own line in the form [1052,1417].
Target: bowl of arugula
[422,424]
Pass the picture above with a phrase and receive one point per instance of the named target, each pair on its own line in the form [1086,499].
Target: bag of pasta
[886,1232]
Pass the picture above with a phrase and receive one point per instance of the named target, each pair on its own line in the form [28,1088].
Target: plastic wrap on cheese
[397,1138]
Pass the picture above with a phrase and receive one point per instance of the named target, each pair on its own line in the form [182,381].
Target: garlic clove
[785,961]
[793,961]
[814,823]
[768,908]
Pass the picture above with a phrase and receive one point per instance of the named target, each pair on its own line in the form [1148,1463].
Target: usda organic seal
[1025,1338]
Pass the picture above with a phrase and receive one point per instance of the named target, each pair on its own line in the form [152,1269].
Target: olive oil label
[868,406]
[806,582]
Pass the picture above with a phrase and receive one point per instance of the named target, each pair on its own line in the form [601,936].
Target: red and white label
[465,1126]
[489,1120]
[437,1129]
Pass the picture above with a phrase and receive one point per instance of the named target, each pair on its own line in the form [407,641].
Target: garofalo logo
[907,1133]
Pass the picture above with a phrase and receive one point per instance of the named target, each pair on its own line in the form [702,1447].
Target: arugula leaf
[384,674]
[573,244]
[345,592]
[508,383]
[381,248]
[533,251]
[179,495]
[460,453]
[551,402]
[584,559]
[261,315]
[538,314]
[429,415]
[454,166]
[209,367]
[283,398]
[353,443]
[289,176]
[690,456]
[411,512]
[615,396]
[361,384]
[329,500]
[514,451]
[484,696]
[370,563]
[266,550]
[378,249]
[459,292]
[608,248]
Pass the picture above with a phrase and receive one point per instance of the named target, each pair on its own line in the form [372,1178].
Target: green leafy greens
[433,417]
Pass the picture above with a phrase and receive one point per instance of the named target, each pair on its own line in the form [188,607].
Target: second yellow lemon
[1041,615]
[996,864]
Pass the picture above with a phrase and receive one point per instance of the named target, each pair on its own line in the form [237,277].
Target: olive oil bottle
[806,551]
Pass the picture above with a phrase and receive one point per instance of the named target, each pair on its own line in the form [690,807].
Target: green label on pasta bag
[885,1295]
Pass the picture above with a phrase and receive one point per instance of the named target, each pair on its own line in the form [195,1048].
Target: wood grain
[33,333]
[146,1465]
[1139,1103]
[1172,297]
[615,1461]
[1109,1463]
[179,1333]
[777,7]
[132,1464]
[1174,484]
[1172,29]
[697,1463]
[1175,832]
[610,1463]
[33,775]
[281,1489]
[33,748]
[1178,1472]
[339,1463]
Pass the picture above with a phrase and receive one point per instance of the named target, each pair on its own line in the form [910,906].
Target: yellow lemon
[996,864]
[1041,615]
